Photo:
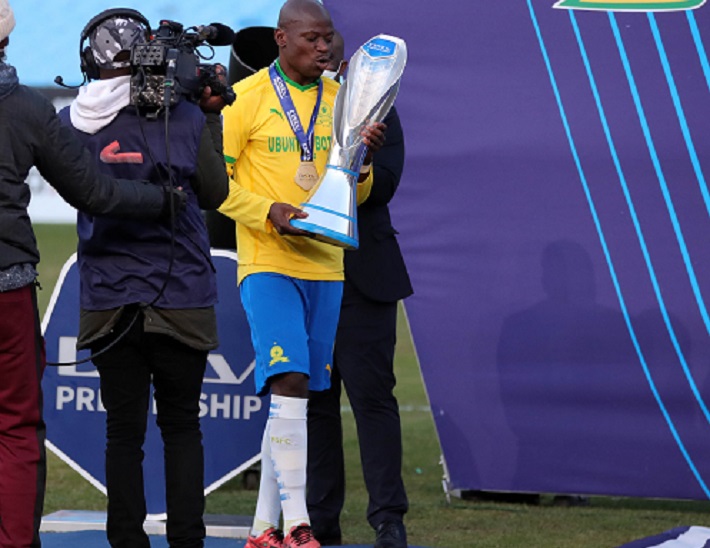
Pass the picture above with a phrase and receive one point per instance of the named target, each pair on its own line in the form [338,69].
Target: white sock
[268,504]
[289,451]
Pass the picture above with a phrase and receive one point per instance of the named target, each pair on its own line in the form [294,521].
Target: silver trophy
[374,73]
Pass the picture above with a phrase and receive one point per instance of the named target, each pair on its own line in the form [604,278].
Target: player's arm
[243,206]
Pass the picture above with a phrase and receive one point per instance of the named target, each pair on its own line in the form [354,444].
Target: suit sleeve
[388,162]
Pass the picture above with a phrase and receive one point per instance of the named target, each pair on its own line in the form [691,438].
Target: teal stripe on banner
[699,45]
[683,126]
[607,255]
[634,216]
[671,210]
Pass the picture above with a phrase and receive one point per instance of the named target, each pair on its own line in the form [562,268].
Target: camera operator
[148,290]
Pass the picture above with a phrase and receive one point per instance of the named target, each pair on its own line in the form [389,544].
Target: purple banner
[555,216]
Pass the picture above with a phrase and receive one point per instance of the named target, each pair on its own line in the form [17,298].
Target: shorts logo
[630,5]
[277,355]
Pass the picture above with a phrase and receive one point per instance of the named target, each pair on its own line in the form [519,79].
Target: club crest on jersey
[325,116]
[630,5]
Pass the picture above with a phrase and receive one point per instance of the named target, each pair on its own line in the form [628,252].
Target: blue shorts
[293,324]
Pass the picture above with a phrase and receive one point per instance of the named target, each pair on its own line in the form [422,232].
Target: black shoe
[328,537]
[330,541]
[391,534]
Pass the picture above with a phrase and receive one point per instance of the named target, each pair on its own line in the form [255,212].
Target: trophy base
[326,235]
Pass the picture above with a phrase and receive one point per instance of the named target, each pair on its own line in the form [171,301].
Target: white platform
[63,521]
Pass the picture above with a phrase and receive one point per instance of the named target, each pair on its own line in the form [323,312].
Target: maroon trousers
[22,429]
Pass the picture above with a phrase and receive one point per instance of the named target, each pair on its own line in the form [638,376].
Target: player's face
[305,48]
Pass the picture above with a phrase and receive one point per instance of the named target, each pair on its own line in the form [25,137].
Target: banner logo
[232,417]
[630,5]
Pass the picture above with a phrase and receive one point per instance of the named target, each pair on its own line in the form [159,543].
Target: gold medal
[306,175]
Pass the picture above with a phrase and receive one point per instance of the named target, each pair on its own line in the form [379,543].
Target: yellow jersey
[262,155]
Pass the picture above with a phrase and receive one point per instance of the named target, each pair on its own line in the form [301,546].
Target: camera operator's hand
[280,214]
[214,103]
[174,200]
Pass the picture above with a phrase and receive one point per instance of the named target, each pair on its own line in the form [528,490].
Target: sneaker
[301,536]
[271,538]
[391,534]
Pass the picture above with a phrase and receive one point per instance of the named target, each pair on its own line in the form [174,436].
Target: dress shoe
[329,540]
[391,534]
[329,536]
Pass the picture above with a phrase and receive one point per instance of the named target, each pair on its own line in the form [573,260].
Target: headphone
[88,64]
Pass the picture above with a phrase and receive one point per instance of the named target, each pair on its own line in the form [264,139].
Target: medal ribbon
[282,92]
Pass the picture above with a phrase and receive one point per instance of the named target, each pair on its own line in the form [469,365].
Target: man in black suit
[375,280]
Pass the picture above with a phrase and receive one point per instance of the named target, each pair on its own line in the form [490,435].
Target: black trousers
[176,371]
[364,361]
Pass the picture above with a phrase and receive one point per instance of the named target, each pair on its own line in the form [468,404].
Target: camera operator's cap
[112,36]
[7,19]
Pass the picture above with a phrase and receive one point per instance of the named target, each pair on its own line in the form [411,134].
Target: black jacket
[377,268]
[32,135]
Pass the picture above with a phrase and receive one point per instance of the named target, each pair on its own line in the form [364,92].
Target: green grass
[608,522]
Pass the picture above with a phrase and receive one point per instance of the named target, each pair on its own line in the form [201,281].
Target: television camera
[167,66]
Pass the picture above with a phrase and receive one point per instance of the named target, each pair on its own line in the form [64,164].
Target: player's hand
[280,214]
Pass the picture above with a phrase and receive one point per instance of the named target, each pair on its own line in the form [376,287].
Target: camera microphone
[60,82]
[216,34]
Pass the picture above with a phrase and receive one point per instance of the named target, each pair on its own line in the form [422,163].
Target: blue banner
[554,213]
[232,417]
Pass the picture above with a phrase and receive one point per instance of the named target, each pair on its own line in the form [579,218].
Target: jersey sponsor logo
[630,5]
[283,144]
[277,112]
[323,143]
[290,144]
[111,155]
